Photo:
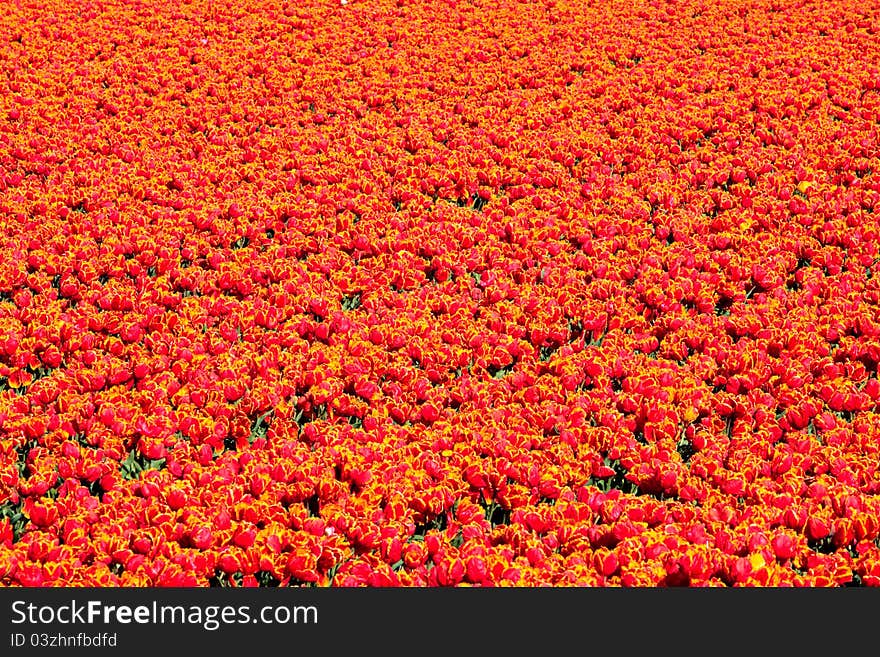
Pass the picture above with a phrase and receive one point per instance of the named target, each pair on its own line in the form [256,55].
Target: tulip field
[433,293]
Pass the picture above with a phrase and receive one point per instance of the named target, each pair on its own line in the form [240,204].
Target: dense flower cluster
[411,293]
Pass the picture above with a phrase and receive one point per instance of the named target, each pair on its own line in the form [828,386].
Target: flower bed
[410,293]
